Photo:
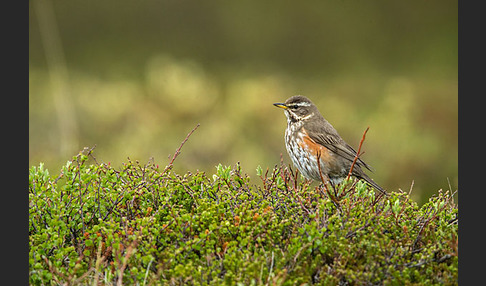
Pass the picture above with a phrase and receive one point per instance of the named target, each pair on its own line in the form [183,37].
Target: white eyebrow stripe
[300,104]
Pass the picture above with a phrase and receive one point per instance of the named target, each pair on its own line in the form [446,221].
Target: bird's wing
[329,138]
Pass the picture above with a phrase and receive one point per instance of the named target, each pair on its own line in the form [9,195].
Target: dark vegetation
[138,224]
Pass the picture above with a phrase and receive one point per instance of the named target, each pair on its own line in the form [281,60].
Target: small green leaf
[259,171]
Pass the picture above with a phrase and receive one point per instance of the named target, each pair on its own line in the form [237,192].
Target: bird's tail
[372,183]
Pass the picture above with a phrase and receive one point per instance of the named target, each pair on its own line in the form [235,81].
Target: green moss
[144,225]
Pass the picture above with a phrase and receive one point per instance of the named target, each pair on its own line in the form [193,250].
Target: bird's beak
[281,105]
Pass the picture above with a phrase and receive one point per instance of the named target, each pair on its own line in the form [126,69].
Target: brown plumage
[309,135]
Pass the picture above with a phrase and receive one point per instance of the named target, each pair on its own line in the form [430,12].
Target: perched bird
[309,136]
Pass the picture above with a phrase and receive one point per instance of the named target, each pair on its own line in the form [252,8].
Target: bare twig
[411,187]
[128,254]
[178,151]
[99,260]
[358,153]
[352,188]
[333,198]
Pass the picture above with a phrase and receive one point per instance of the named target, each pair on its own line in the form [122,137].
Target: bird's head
[298,108]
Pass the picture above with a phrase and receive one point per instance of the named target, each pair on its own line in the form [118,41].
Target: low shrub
[142,225]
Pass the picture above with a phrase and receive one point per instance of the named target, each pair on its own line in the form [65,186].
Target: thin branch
[411,187]
[333,198]
[178,151]
[128,254]
[357,154]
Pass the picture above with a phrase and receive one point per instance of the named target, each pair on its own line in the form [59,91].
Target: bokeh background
[134,77]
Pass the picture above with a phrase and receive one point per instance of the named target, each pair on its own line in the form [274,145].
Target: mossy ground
[138,224]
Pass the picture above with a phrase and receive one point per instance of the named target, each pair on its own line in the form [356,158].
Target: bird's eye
[294,107]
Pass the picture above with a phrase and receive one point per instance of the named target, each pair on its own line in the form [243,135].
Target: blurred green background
[134,77]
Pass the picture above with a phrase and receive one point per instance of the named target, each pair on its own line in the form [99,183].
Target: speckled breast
[303,158]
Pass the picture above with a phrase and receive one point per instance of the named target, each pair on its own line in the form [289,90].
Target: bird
[310,138]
